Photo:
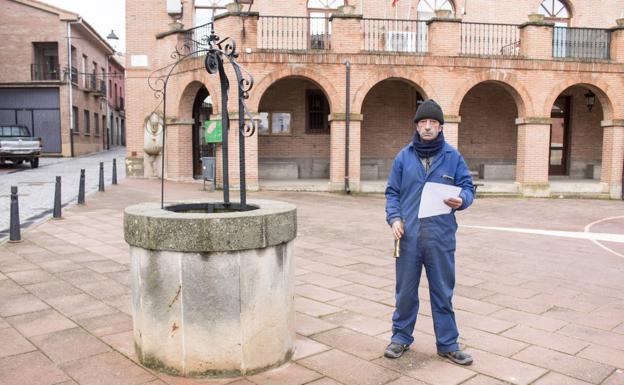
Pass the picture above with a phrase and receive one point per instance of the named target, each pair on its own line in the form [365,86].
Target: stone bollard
[212,288]
[101,184]
[81,188]
[56,211]
[15,234]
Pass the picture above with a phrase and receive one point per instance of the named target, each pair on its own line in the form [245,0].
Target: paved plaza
[532,307]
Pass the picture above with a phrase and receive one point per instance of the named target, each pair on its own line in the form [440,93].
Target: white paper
[432,199]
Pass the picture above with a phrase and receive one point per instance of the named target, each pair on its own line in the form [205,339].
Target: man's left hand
[454,203]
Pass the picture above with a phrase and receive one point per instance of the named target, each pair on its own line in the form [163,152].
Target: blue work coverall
[428,241]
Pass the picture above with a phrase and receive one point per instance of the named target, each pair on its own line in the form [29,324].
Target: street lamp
[112,39]
[590,100]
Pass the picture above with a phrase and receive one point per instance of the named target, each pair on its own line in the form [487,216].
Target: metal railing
[44,72]
[490,39]
[101,86]
[91,82]
[581,43]
[294,33]
[196,35]
[74,75]
[388,35]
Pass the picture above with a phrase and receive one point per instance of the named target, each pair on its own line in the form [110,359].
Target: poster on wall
[214,132]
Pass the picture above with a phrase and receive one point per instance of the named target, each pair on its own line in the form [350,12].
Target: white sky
[101,15]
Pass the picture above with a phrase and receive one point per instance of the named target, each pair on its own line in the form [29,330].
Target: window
[83,69]
[96,123]
[104,124]
[275,123]
[317,111]
[46,63]
[555,11]
[75,126]
[87,122]
[205,10]
[426,8]
[320,26]
[74,68]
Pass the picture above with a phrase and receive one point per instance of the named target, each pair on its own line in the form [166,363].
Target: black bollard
[81,187]
[14,232]
[114,171]
[56,213]
[101,186]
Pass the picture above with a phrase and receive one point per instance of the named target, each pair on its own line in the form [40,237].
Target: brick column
[451,129]
[251,158]
[337,152]
[536,38]
[178,149]
[346,33]
[613,156]
[444,36]
[533,156]
[240,26]
[617,42]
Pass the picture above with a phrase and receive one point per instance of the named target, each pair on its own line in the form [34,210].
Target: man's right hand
[397,229]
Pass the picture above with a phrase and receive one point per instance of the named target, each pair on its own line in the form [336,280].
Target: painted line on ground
[600,244]
[554,233]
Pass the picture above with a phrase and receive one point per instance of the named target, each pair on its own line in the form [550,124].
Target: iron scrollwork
[216,50]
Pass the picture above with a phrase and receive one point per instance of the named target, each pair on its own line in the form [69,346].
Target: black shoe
[458,357]
[395,350]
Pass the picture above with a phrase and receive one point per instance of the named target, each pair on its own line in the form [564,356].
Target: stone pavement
[532,309]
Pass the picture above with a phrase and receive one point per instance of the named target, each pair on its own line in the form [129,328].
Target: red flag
[394,2]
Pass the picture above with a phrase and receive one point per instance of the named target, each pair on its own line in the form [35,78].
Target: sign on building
[214,132]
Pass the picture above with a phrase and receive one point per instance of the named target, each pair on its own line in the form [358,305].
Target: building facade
[47,49]
[533,91]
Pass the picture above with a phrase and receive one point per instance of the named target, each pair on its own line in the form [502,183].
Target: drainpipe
[69,84]
[347,123]
[106,129]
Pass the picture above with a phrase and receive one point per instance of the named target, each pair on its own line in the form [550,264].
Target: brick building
[533,91]
[40,41]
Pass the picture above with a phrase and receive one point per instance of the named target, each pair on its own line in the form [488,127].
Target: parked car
[18,145]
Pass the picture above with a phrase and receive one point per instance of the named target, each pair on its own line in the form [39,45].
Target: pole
[114,171]
[81,188]
[57,198]
[101,184]
[14,232]
[347,124]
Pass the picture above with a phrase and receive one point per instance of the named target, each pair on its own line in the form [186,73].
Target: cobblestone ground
[36,186]
[531,308]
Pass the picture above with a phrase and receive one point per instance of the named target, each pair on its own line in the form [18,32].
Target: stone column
[337,152]
[536,38]
[451,129]
[444,36]
[613,156]
[179,149]
[533,156]
[346,36]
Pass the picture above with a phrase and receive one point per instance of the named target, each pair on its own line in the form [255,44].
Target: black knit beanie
[429,109]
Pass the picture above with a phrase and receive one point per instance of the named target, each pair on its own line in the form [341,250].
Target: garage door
[37,109]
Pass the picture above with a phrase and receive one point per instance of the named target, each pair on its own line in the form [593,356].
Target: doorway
[559,137]
[202,109]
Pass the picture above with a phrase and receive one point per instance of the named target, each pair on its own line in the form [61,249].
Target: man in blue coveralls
[427,241]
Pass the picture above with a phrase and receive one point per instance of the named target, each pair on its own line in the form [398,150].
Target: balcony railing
[45,72]
[581,43]
[294,33]
[74,75]
[196,35]
[91,82]
[101,86]
[395,35]
[489,39]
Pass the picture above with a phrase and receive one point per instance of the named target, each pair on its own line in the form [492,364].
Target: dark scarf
[430,149]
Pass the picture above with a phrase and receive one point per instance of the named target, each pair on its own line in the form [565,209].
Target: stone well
[212,288]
